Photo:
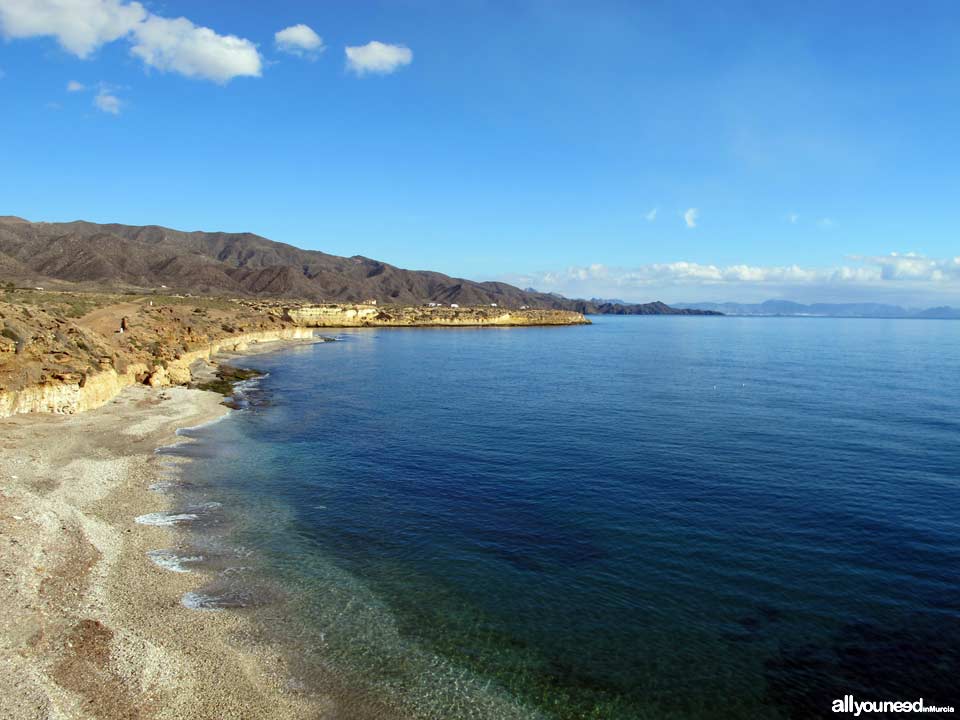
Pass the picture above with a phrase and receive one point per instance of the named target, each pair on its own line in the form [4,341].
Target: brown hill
[241,264]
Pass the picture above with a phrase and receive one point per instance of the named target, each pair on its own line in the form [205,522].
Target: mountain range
[851,310]
[87,255]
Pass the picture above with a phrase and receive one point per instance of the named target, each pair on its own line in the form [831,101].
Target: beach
[90,626]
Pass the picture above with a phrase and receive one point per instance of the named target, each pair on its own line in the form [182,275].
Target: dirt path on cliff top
[106,320]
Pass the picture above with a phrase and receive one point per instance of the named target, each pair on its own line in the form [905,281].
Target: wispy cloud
[107,102]
[377,58]
[174,45]
[74,86]
[691,216]
[793,218]
[299,40]
[908,276]
[825,222]
[652,215]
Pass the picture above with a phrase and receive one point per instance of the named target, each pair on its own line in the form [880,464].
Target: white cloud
[82,26]
[299,40]
[912,267]
[107,102]
[793,218]
[691,216]
[825,222]
[74,86]
[652,215]
[180,46]
[904,277]
[377,57]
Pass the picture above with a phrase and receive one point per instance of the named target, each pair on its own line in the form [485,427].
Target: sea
[647,517]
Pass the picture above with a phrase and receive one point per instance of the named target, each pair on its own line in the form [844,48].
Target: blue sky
[683,151]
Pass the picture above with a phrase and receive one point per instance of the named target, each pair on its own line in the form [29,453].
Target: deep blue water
[647,517]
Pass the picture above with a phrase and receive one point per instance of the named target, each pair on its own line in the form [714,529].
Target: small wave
[169,560]
[235,570]
[199,601]
[204,601]
[165,518]
[208,423]
[244,392]
[201,507]
[162,486]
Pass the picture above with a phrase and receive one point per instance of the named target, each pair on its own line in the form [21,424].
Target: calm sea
[649,517]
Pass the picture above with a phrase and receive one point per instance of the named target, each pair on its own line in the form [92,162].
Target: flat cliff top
[49,337]
[432,314]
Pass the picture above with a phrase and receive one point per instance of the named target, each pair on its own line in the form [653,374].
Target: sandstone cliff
[368,315]
[70,352]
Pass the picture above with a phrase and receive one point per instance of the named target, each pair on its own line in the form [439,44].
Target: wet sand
[90,627]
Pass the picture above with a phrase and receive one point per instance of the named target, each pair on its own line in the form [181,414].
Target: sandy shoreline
[91,628]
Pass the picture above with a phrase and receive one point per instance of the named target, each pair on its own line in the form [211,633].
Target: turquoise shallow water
[648,517]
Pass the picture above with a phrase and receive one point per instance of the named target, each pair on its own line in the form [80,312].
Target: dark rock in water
[230,383]
[227,377]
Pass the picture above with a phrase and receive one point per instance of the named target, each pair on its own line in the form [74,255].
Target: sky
[682,151]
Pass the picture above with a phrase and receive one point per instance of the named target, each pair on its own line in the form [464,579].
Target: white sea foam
[169,560]
[199,601]
[235,570]
[165,518]
[249,382]
[162,486]
[212,505]
[219,418]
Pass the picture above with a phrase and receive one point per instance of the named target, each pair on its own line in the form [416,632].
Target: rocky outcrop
[69,394]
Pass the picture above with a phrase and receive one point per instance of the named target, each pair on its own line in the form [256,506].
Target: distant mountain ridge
[151,257]
[851,310]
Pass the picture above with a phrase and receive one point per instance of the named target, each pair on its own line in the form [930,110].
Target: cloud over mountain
[909,276]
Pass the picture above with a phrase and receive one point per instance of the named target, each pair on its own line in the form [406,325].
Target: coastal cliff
[370,315]
[69,393]
[64,352]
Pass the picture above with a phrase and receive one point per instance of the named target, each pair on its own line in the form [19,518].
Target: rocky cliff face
[52,362]
[366,315]
[69,393]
